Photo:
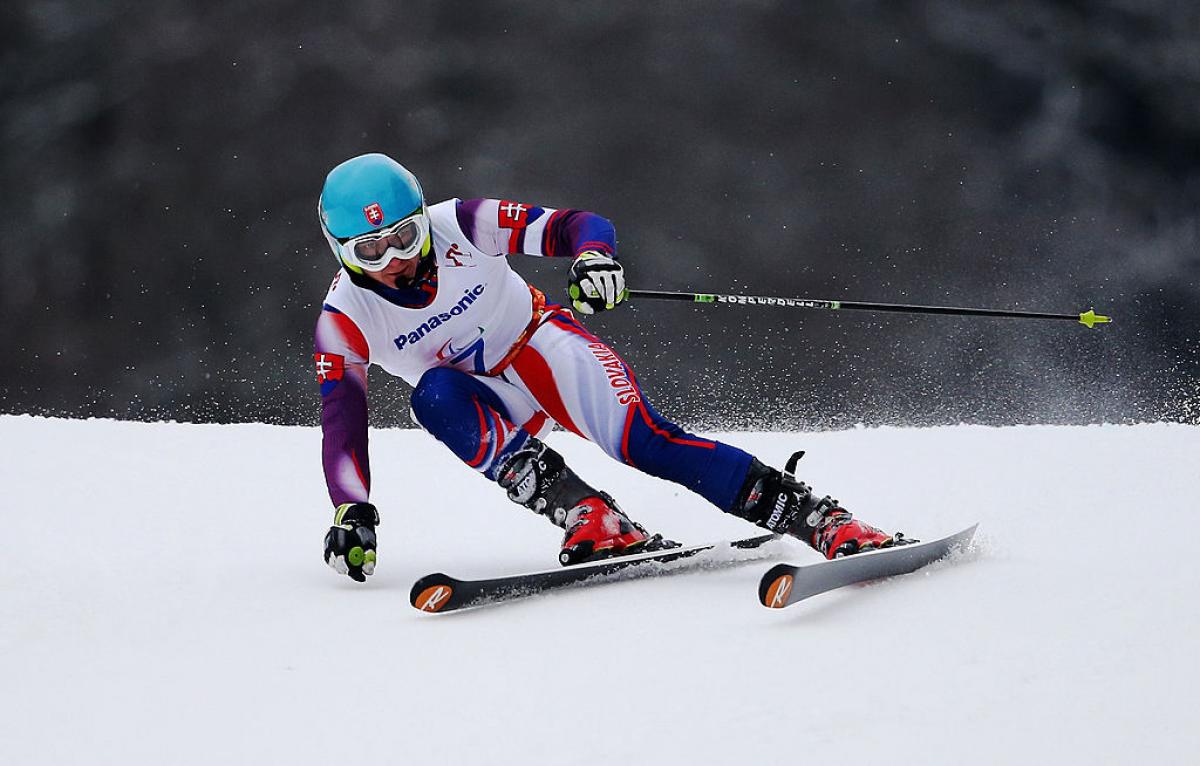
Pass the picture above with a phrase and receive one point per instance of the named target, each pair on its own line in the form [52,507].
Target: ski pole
[1089,317]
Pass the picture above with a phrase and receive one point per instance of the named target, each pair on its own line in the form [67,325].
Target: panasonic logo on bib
[437,320]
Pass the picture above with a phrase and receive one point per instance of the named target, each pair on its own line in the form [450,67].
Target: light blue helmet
[365,194]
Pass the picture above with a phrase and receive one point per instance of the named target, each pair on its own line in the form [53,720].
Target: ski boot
[776,501]
[536,477]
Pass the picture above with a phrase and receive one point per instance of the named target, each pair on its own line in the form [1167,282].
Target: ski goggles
[373,251]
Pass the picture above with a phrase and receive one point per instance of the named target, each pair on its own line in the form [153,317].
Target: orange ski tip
[778,592]
[433,598]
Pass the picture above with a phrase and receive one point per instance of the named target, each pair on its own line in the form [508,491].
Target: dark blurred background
[161,257]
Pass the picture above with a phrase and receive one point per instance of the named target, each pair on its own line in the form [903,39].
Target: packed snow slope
[164,601]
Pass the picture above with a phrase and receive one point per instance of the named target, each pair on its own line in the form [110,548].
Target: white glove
[596,283]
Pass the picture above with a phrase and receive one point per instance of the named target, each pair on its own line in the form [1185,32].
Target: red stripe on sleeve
[549,237]
[362,476]
[351,334]
[602,247]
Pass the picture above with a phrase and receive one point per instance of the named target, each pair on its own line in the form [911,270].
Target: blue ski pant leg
[473,416]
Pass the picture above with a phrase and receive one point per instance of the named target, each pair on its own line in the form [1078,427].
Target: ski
[785,584]
[442,593]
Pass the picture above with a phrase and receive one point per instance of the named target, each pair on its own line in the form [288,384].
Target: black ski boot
[776,501]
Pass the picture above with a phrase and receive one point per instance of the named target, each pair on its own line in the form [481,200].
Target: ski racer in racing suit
[426,293]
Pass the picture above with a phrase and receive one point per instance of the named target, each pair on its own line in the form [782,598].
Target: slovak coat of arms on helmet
[374,213]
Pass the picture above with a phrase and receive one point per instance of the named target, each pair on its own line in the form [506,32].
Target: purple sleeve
[341,356]
[472,219]
[570,232]
[503,227]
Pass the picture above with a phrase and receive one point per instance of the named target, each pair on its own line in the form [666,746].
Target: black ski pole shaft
[1089,317]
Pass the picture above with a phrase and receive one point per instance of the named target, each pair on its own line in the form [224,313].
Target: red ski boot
[777,501]
[537,477]
[840,534]
[597,528]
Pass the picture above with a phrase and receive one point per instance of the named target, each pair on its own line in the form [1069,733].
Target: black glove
[596,283]
[350,542]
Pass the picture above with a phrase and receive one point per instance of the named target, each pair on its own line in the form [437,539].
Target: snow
[163,600]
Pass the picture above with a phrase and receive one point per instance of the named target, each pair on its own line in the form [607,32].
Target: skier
[426,293]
